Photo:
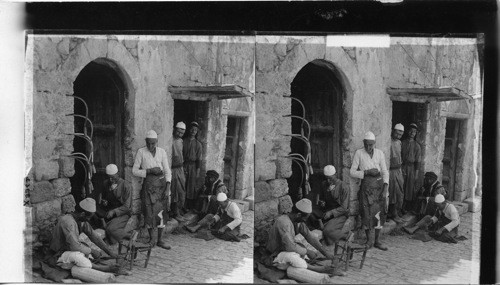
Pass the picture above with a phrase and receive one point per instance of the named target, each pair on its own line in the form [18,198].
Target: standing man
[410,152]
[396,179]
[115,205]
[192,161]
[178,194]
[151,163]
[369,165]
[334,203]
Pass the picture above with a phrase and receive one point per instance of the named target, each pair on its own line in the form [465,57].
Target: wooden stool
[134,248]
[348,250]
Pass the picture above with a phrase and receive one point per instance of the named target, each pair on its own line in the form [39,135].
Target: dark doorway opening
[232,153]
[188,111]
[104,92]
[321,92]
[407,113]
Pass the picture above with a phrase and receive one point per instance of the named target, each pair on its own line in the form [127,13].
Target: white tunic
[144,160]
[362,161]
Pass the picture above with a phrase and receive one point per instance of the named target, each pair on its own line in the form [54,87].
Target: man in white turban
[115,205]
[332,206]
[178,195]
[225,224]
[396,179]
[151,164]
[369,165]
[286,227]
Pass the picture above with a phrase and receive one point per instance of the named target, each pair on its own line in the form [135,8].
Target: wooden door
[104,93]
[232,153]
[450,156]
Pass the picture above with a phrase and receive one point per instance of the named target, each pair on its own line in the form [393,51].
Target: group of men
[381,190]
[168,190]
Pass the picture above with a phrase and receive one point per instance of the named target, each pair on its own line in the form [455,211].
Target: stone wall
[365,73]
[147,65]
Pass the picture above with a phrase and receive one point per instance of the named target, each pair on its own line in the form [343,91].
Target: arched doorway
[101,85]
[322,94]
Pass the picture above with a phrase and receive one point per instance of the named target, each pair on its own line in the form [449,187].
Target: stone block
[47,211]
[190,218]
[409,220]
[243,205]
[285,204]
[68,204]
[66,166]
[264,169]
[474,204]
[389,226]
[462,208]
[46,169]
[262,191]
[42,191]
[62,186]
[279,187]
[460,196]
[353,208]
[266,210]
[250,200]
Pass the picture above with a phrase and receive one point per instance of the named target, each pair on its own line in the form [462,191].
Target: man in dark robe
[192,154]
[425,197]
[333,206]
[410,153]
[115,205]
[207,199]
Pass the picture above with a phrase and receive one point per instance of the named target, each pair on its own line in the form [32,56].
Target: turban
[88,204]
[151,135]
[181,125]
[431,175]
[304,206]
[221,197]
[369,136]
[399,127]
[213,173]
[439,198]
[329,170]
[111,169]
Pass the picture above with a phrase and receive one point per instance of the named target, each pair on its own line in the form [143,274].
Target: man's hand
[223,229]
[311,254]
[110,214]
[154,171]
[327,215]
[372,172]
[95,253]
[440,231]
[329,255]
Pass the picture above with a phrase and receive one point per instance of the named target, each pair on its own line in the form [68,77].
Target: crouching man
[281,243]
[68,249]
[443,226]
[225,224]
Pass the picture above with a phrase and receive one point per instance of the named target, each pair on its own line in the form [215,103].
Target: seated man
[115,205]
[225,224]
[282,239]
[333,206]
[65,245]
[443,226]
[425,196]
[207,199]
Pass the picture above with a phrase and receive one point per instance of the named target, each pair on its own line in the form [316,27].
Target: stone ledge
[250,200]
[243,205]
[462,208]
[474,204]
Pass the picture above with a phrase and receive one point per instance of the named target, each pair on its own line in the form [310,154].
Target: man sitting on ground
[207,199]
[66,247]
[115,205]
[425,196]
[443,226]
[333,206]
[225,224]
[281,243]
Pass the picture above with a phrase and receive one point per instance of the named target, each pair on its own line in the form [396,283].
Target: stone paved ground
[413,261]
[193,260]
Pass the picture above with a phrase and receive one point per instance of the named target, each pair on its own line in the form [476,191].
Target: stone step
[462,208]
[243,205]
[475,204]
[250,200]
